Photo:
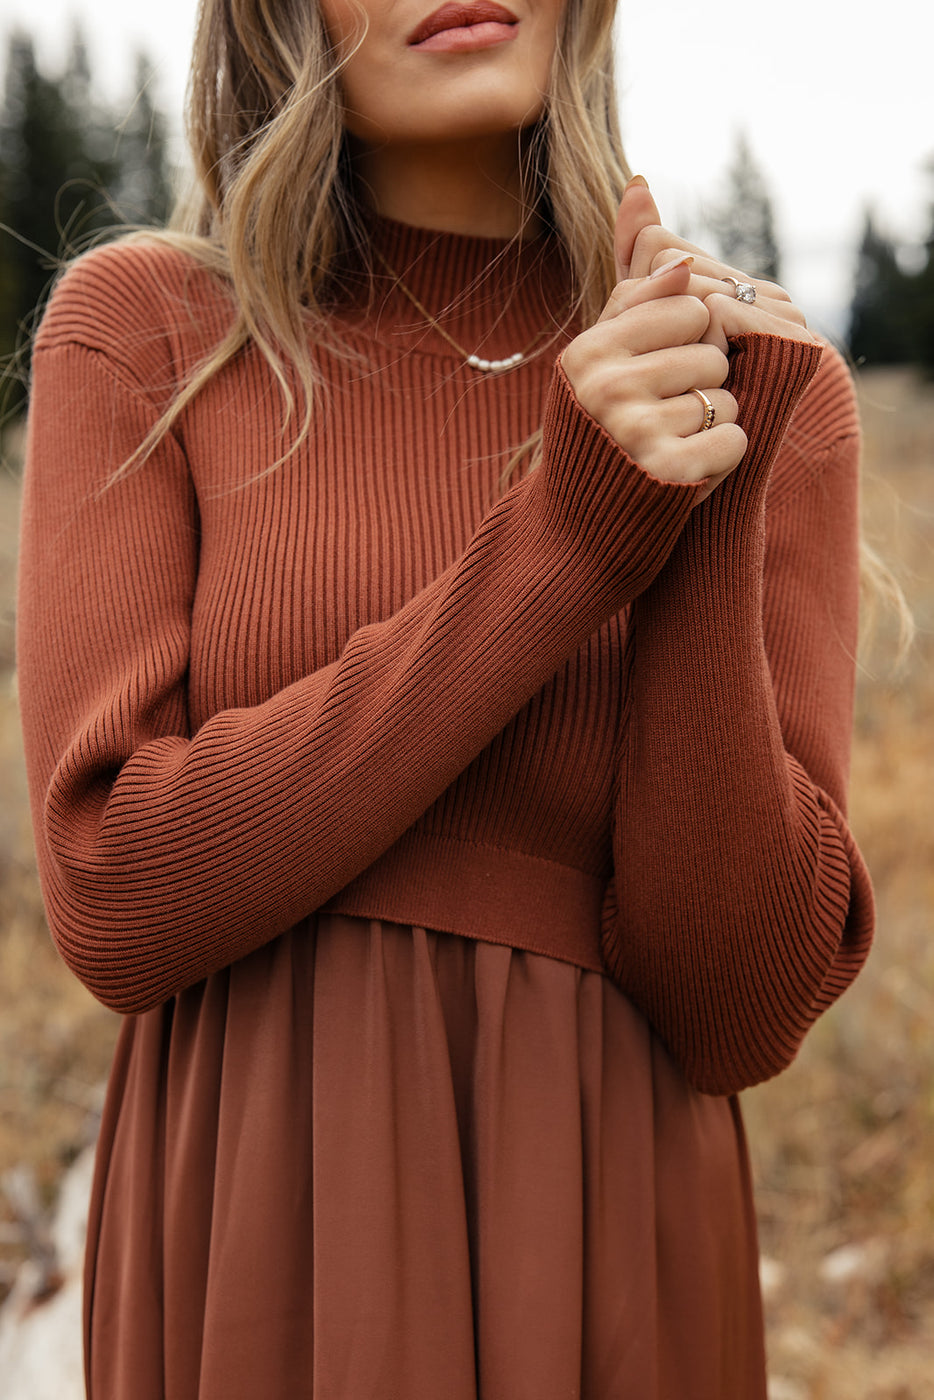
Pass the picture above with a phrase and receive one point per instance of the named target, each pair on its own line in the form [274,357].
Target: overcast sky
[836,104]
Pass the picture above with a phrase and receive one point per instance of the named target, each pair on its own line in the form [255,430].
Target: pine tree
[880,332]
[923,295]
[742,222]
[70,172]
[143,193]
[52,183]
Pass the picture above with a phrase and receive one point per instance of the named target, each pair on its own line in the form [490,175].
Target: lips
[460,16]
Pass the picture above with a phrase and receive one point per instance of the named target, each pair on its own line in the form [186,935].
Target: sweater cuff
[597,500]
[768,376]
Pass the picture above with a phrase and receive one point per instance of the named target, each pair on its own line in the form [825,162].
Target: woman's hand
[642,245]
[646,368]
[641,369]
[636,370]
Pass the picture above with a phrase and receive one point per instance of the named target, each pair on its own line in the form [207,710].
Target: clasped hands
[664,334]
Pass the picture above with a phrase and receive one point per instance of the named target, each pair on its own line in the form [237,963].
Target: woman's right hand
[634,372]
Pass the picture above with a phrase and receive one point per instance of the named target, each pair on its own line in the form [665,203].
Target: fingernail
[637,181]
[686,259]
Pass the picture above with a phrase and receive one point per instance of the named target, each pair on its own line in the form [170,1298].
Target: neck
[473,189]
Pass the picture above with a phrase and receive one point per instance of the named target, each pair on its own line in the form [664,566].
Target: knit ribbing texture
[370,679]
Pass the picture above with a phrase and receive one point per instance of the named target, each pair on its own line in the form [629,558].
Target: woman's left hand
[643,244]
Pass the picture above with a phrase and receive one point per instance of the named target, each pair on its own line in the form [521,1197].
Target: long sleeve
[166,854]
[741,907]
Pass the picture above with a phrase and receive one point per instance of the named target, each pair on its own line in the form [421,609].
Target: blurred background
[805,152]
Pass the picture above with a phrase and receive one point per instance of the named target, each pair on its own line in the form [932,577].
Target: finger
[708,281]
[764,314]
[706,287]
[707,457]
[668,282]
[687,412]
[650,243]
[729,317]
[637,210]
[656,325]
[667,372]
[676,323]
[670,279]
[629,394]
[683,415]
[705,266]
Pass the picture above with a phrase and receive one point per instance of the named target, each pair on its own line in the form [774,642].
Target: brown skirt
[376,1163]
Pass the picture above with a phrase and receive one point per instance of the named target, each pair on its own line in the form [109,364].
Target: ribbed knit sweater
[585,716]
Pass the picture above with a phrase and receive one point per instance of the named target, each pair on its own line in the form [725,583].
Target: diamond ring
[743,291]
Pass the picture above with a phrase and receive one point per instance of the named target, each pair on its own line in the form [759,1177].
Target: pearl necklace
[475,362]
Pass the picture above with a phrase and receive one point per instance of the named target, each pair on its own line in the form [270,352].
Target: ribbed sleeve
[367,678]
[740,906]
[167,854]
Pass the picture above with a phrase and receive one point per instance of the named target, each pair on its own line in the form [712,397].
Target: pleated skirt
[371,1162]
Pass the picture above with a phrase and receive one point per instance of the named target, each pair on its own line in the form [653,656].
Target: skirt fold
[372,1162]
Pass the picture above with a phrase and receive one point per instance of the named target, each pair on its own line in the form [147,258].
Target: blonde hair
[273,206]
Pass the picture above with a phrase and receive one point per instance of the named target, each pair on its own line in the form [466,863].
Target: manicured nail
[686,259]
[637,181]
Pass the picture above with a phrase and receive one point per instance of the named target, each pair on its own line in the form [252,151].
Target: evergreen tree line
[74,169]
[892,311]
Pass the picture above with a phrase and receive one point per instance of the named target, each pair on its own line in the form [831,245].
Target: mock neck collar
[494,296]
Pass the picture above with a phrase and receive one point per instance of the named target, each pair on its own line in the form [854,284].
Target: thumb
[637,210]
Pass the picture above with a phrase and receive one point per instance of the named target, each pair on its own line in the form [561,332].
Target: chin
[478,120]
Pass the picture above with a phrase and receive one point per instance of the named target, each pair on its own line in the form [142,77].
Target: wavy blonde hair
[273,206]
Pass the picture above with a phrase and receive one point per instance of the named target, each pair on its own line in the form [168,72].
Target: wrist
[597,501]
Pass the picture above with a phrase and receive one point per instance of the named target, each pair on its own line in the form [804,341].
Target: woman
[437,621]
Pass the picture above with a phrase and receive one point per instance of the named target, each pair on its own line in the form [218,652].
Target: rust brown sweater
[586,717]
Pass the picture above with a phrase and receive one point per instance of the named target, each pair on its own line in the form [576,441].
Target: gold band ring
[743,291]
[709,410]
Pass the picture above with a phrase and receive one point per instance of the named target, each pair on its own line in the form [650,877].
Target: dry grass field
[843,1143]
